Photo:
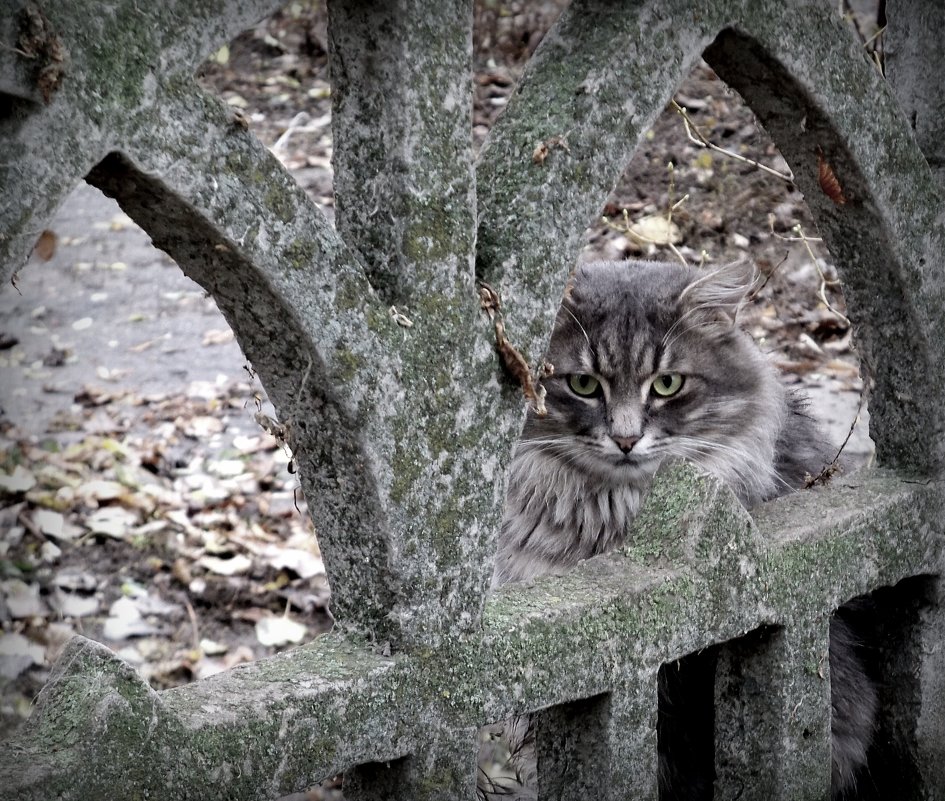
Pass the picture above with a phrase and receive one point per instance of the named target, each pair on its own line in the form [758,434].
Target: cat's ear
[720,293]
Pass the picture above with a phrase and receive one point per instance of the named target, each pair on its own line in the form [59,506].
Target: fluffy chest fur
[557,515]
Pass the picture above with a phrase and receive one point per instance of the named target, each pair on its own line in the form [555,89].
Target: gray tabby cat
[649,364]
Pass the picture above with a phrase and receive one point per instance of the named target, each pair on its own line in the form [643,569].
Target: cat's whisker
[740,474]
[564,307]
[562,450]
[706,445]
[570,438]
[536,442]
[668,343]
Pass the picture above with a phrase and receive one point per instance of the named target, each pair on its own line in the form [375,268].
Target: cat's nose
[626,443]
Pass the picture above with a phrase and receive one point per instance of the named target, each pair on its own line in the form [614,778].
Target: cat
[649,364]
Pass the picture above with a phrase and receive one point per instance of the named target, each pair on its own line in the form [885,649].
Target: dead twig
[512,359]
[824,282]
[830,470]
[194,624]
[757,290]
[698,138]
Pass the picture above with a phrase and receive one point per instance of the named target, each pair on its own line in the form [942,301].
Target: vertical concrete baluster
[443,767]
[772,725]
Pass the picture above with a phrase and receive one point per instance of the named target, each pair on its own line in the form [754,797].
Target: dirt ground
[142,504]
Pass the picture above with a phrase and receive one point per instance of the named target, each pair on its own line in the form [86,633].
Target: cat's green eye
[584,385]
[667,384]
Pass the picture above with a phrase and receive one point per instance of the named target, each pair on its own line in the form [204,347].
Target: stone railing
[403,435]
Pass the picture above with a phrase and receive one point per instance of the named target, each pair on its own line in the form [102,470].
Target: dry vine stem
[822,289]
[871,44]
[827,473]
[512,359]
[698,138]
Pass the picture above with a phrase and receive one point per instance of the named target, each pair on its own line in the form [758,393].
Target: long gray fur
[575,485]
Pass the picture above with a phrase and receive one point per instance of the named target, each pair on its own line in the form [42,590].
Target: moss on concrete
[393,465]
[610,622]
[300,253]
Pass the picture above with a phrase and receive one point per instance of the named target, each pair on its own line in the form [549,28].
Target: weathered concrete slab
[403,432]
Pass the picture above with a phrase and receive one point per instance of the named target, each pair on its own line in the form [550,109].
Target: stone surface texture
[403,432]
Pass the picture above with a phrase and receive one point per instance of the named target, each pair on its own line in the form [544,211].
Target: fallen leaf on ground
[20,480]
[23,599]
[655,228]
[304,563]
[209,666]
[49,522]
[213,648]
[17,653]
[71,604]
[112,521]
[124,620]
[203,426]
[49,552]
[227,468]
[101,490]
[45,246]
[278,631]
[227,567]
[217,337]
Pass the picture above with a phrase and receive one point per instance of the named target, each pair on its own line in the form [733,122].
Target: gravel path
[108,312]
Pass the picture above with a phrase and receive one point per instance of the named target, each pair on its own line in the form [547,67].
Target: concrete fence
[403,435]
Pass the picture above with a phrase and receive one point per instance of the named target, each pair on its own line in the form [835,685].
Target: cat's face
[648,364]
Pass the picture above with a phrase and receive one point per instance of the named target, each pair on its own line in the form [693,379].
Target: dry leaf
[49,522]
[222,56]
[120,222]
[828,181]
[18,654]
[22,480]
[303,563]
[22,599]
[227,468]
[213,648]
[45,246]
[227,567]
[203,426]
[71,604]
[101,490]
[543,149]
[216,336]
[655,229]
[112,521]
[49,552]
[277,631]
[124,621]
